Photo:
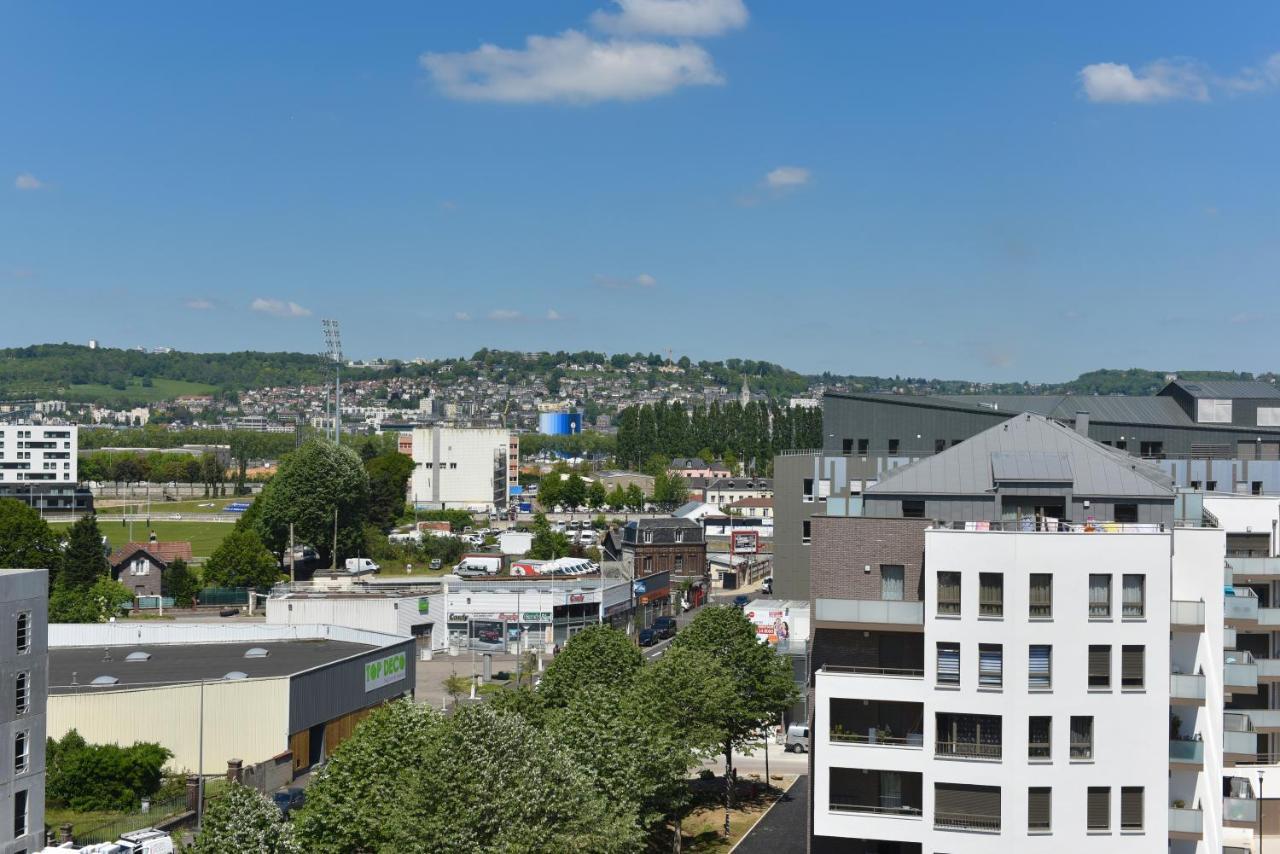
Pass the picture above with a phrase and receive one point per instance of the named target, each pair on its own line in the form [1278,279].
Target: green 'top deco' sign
[384,671]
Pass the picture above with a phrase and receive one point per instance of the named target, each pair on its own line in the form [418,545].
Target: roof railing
[1052,526]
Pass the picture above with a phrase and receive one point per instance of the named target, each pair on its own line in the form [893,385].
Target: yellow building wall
[245,719]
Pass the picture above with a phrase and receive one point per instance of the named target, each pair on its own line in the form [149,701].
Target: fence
[110,831]
[223,596]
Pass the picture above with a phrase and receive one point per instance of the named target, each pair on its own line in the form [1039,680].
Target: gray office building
[1217,437]
[24,604]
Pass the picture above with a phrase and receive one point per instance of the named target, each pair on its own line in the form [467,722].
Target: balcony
[1269,618]
[857,670]
[1241,607]
[1186,616]
[1239,746]
[966,821]
[1228,637]
[973,809]
[1264,720]
[870,612]
[1268,670]
[1186,689]
[1186,824]
[1251,570]
[877,723]
[893,794]
[1239,672]
[1239,812]
[960,736]
[1186,754]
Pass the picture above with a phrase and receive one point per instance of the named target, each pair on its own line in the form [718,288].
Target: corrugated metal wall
[246,719]
[332,690]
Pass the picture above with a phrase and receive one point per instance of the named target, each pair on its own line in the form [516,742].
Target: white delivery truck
[359,565]
[146,841]
[473,565]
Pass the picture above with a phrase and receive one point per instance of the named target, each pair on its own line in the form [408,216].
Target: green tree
[656,464]
[550,490]
[388,478]
[597,655]
[617,498]
[181,583]
[241,560]
[762,679]
[635,498]
[375,766]
[26,540]
[731,462]
[244,820]
[574,493]
[103,600]
[84,561]
[87,777]
[455,685]
[314,483]
[597,497]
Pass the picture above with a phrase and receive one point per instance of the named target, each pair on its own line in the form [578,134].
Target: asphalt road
[784,828]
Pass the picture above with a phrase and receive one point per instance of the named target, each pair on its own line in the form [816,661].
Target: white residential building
[38,454]
[459,467]
[999,665]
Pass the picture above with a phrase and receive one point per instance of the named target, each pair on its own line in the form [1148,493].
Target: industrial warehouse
[278,697]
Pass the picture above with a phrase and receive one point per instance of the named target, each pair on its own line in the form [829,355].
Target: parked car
[289,800]
[361,564]
[797,738]
[740,601]
[766,586]
[435,563]
[648,637]
[664,627]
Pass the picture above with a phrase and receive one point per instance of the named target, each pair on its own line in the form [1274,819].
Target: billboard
[560,423]
[487,635]
[773,626]
[745,542]
[384,671]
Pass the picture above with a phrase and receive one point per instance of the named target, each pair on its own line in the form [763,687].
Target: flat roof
[175,663]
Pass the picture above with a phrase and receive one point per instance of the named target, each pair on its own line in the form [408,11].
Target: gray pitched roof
[1227,388]
[1027,448]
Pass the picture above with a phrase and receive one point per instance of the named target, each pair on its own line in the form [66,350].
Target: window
[21,693]
[1268,416]
[939,445]
[21,753]
[804,531]
[1082,737]
[1099,667]
[679,535]
[990,594]
[23,627]
[647,536]
[19,813]
[1133,667]
[1127,513]
[1255,487]
[912,509]
[1135,596]
[1039,739]
[1099,596]
[892,582]
[1040,600]
[1131,808]
[1211,486]
[1039,667]
[949,593]
[1039,808]
[1098,808]
[1152,449]
[893,446]
[990,665]
[948,664]
[846,446]
[969,736]
[957,806]
[1210,411]
[807,490]
[863,445]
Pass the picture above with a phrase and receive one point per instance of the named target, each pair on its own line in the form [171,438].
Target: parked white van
[797,738]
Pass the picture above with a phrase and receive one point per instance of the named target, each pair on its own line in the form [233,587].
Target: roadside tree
[245,821]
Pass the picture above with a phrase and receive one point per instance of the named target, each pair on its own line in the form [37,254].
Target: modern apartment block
[1216,437]
[38,466]
[1023,643]
[462,467]
[24,656]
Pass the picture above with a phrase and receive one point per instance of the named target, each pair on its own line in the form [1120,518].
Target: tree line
[597,759]
[754,433]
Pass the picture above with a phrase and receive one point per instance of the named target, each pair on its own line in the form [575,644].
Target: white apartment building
[461,467]
[37,454]
[24,662]
[1000,665]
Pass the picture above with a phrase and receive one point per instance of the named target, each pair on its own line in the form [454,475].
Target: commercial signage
[639,587]
[575,598]
[746,542]
[772,626]
[384,671]
[487,634]
[424,605]
[535,617]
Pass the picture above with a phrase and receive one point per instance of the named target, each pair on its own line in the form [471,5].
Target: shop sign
[536,617]
[384,671]
[424,605]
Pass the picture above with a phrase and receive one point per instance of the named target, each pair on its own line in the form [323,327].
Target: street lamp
[1261,772]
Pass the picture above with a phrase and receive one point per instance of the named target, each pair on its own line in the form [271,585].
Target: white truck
[359,565]
[145,841]
[474,565]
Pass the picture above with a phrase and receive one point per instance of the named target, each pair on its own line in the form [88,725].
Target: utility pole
[292,556]
[333,564]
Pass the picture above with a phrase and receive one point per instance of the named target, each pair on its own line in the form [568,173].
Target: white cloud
[27,181]
[681,18]
[553,315]
[572,68]
[279,308]
[462,316]
[622,283]
[787,176]
[1257,78]
[505,314]
[197,304]
[1173,80]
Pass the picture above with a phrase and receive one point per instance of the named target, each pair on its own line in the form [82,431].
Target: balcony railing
[1244,744]
[966,821]
[1265,720]
[1239,671]
[1187,688]
[1240,810]
[901,810]
[1246,569]
[1186,822]
[1186,752]
[1189,615]
[874,611]
[915,740]
[1052,526]
[861,670]
[1241,606]
[968,750]
[1268,669]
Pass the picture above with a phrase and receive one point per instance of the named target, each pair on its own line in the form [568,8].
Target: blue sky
[863,188]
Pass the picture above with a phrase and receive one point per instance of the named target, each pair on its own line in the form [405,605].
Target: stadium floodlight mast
[333,352]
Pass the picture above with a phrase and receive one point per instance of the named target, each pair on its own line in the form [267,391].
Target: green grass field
[161,509]
[204,536]
[160,389]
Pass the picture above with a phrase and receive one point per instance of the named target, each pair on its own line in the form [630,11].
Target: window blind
[1098,808]
[1134,595]
[1099,595]
[949,663]
[1132,666]
[948,593]
[1041,599]
[990,665]
[892,582]
[1099,666]
[1082,737]
[1039,808]
[991,594]
[1039,663]
[1039,744]
[977,802]
[1131,808]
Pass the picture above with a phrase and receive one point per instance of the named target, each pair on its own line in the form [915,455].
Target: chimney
[1082,424]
